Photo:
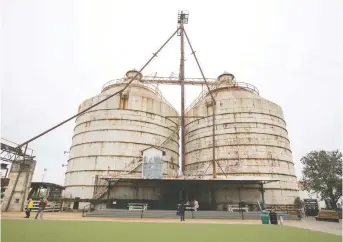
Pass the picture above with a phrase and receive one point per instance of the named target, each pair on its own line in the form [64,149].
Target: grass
[70,231]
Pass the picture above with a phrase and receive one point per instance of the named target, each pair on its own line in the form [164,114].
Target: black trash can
[273,218]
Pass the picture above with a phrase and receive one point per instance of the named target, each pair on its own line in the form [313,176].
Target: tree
[322,173]
[299,204]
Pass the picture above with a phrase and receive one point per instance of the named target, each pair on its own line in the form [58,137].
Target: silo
[251,140]
[109,138]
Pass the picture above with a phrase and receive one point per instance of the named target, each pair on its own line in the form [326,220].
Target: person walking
[41,206]
[182,210]
[29,208]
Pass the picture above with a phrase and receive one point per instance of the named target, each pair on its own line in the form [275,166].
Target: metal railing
[205,92]
[89,206]
[145,83]
[52,206]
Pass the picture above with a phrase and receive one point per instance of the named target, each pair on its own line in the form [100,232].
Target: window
[124,100]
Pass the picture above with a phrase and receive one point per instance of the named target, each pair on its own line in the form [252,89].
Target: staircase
[170,214]
[100,194]
[135,163]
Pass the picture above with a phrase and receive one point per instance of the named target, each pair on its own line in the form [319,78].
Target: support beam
[186,81]
[262,194]
[182,19]
[109,186]
[214,168]
[214,162]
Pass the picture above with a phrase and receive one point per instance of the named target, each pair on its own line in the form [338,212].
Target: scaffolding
[22,162]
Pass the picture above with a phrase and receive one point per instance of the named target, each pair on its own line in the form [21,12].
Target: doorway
[76,203]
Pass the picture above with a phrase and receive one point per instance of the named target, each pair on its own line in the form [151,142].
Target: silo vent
[227,78]
[133,74]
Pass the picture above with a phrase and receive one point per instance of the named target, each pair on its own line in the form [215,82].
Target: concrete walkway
[312,224]
[307,223]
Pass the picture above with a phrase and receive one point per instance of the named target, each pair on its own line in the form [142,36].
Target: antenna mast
[182,19]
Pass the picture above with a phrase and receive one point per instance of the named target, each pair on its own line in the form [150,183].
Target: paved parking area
[312,224]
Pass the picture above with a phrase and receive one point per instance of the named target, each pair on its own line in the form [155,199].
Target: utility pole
[182,19]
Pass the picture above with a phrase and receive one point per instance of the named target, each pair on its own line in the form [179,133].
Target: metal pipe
[196,59]
[108,193]
[262,193]
[182,78]
[25,187]
[214,171]
[105,99]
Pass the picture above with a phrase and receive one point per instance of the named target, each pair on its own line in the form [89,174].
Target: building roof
[153,147]
[46,185]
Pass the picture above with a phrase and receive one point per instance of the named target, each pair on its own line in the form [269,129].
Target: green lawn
[81,231]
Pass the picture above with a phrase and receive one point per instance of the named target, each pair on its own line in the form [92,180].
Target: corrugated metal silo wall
[251,140]
[110,136]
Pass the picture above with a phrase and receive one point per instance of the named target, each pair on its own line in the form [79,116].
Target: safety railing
[88,208]
[145,83]
[52,206]
[205,92]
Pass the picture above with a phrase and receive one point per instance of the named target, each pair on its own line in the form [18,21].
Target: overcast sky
[58,53]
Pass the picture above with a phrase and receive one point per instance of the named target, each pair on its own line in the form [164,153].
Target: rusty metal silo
[109,138]
[251,140]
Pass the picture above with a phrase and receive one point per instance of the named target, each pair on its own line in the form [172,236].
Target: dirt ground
[307,223]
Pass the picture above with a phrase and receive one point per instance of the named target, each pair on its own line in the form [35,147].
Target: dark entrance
[178,191]
[76,203]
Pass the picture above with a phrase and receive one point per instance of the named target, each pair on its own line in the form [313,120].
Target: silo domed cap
[132,73]
[226,77]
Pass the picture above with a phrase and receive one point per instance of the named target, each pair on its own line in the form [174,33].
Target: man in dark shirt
[42,204]
[182,210]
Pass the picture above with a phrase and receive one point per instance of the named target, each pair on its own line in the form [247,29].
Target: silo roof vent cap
[133,74]
[227,78]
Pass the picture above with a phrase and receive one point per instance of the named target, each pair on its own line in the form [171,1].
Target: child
[28,208]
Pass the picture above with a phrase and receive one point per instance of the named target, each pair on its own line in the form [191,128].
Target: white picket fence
[52,206]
